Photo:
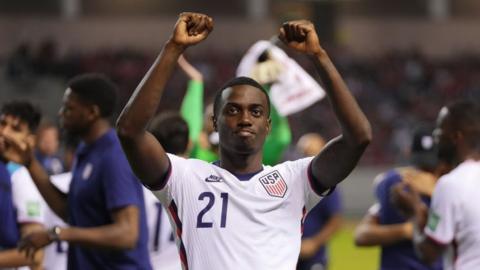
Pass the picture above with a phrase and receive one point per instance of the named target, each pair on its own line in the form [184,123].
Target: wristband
[54,233]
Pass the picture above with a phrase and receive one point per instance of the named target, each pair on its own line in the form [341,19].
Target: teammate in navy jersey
[22,209]
[384,225]
[320,225]
[104,206]
[237,213]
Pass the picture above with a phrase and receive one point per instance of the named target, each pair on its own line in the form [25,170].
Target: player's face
[74,114]
[14,128]
[444,137]
[243,121]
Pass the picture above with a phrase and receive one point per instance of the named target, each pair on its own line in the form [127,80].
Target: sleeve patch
[33,209]
[433,220]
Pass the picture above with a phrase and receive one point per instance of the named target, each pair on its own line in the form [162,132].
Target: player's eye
[257,112]
[232,110]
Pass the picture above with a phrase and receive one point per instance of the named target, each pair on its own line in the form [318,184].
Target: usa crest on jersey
[274,184]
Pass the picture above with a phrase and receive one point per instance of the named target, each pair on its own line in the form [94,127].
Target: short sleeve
[174,178]
[299,171]
[374,210]
[26,198]
[443,213]
[120,185]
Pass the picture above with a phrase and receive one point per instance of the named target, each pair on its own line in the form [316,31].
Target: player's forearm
[144,101]
[121,234]
[107,237]
[355,126]
[427,250]
[55,199]
[332,226]
[13,258]
[382,235]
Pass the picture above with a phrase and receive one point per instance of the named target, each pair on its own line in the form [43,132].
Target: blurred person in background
[208,201]
[384,225]
[172,131]
[323,221]
[451,226]
[105,206]
[22,209]
[47,147]
[203,137]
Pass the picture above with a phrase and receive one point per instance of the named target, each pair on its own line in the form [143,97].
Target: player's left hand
[34,241]
[301,36]
[406,199]
[308,248]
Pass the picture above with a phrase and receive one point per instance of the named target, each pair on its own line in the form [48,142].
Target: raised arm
[342,153]
[146,156]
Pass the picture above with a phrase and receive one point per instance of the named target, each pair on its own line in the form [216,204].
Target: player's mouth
[245,132]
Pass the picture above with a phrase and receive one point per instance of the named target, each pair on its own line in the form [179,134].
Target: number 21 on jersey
[210,198]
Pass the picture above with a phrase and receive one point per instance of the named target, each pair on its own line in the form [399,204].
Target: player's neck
[97,130]
[241,164]
[466,152]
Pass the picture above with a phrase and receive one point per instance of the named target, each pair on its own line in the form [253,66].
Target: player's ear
[214,121]
[94,111]
[269,124]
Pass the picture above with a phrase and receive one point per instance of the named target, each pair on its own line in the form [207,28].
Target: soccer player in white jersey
[22,209]
[453,223]
[237,213]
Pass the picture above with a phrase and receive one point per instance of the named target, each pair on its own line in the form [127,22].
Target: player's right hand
[191,28]
[18,151]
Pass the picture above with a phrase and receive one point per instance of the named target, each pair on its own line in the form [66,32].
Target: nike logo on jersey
[214,179]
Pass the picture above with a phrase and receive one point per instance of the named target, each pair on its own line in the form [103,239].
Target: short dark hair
[171,130]
[423,149]
[233,82]
[97,89]
[465,117]
[24,110]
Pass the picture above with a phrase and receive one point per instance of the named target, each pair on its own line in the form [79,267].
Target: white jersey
[56,253]
[222,222]
[454,218]
[27,200]
[161,243]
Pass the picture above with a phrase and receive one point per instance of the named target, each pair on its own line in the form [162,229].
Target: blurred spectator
[47,147]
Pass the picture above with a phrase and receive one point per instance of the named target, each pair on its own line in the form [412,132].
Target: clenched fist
[191,28]
[301,36]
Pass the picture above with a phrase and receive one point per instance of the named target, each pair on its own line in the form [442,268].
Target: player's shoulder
[184,163]
[291,164]
[18,173]
[452,179]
